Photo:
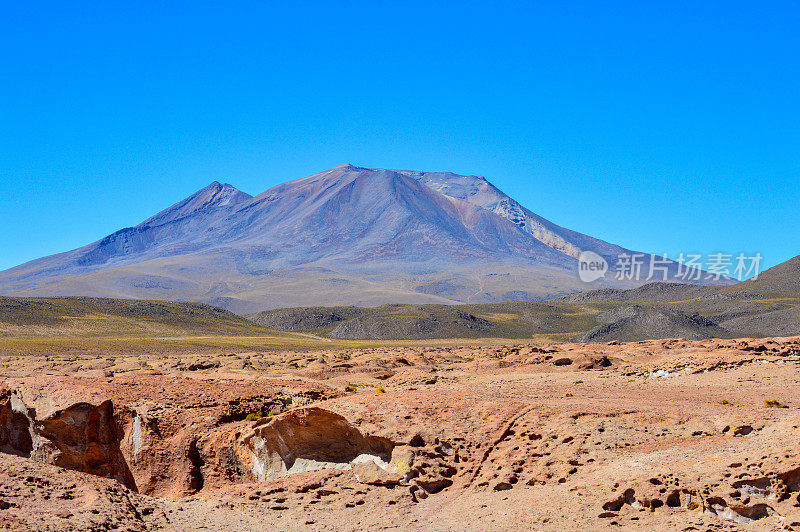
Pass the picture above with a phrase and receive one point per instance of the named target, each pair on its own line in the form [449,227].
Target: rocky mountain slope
[781,281]
[346,236]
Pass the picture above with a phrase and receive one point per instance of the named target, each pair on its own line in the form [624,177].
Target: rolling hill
[768,305]
[765,306]
[94,317]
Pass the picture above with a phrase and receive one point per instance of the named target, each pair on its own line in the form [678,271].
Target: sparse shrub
[351,388]
[724,402]
[692,505]
[380,389]
[578,382]
[253,416]
[568,394]
[774,403]
[273,413]
[344,356]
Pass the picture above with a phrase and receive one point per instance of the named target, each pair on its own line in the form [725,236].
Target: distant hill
[766,306]
[419,322]
[345,236]
[628,324]
[592,322]
[85,316]
[782,322]
[781,281]
[651,292]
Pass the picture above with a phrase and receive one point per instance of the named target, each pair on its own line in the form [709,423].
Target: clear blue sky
[662,126]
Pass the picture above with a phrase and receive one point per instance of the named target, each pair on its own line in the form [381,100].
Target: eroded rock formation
[650,435]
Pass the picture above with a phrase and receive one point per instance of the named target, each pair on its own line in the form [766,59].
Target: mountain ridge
[347,235]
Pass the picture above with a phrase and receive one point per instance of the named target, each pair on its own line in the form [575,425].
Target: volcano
[345,236]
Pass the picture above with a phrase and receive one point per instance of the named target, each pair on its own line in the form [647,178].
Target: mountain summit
[345,236]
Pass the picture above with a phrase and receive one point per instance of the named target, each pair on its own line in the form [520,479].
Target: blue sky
[661,126]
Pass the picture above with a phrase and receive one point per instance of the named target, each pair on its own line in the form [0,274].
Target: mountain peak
[347,167]
[212,197]
[216,192]
[217,186]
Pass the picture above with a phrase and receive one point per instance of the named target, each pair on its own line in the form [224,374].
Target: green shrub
[254,416]
[351,388]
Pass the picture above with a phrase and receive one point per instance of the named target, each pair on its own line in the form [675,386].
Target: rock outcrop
[306,440]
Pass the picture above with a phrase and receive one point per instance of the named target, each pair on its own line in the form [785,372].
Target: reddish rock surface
[654,435]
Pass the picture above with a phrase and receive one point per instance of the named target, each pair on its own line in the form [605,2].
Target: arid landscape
[555,415]
[650,435]
[438,266]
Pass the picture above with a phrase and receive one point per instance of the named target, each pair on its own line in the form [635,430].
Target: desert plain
[481,435]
